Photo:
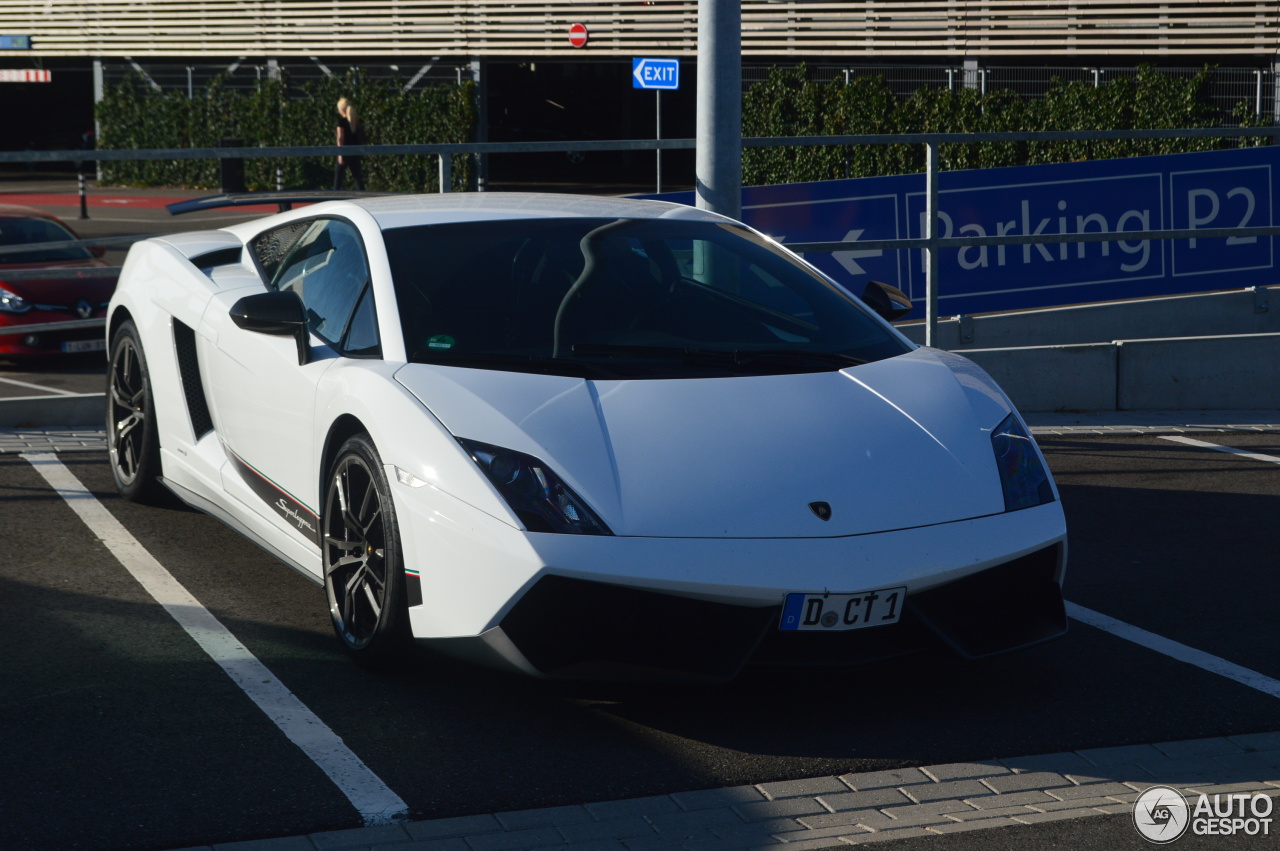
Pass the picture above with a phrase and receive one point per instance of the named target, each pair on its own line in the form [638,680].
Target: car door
[265,399]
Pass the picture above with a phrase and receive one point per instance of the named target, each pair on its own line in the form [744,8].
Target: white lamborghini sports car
[581,437]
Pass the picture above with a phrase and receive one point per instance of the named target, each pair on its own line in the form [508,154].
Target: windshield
[625,298]
[16,232]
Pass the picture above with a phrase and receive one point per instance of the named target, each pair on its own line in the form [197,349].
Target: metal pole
[931,252]
[84,201]
[279,179]
[446,173]
[479,73]
[719,157]
[99,92]
[658,151]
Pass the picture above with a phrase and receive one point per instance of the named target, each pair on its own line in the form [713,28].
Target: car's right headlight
[1023,476]
[542,501]
[11,302]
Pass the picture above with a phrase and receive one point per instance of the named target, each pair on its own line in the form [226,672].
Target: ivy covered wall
[133,115]
[789,104]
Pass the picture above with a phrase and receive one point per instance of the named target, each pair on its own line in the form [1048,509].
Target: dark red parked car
[38,302]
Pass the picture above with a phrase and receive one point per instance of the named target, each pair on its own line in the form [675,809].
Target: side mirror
[98,251]
[277,313]
[890,302]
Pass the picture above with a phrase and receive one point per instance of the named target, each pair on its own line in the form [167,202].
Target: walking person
[350,132]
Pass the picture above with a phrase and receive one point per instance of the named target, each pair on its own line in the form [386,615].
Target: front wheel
[132,438]
[363,566]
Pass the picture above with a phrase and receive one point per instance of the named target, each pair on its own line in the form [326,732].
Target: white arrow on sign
[656,73]
[849,259]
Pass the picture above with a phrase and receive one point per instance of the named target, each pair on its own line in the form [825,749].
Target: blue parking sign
[655,74]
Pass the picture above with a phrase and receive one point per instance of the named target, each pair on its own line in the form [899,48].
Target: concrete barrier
[1251,311]
[82,409]
[1214,373]
[1230,372]
[1210,351]
[1054,378]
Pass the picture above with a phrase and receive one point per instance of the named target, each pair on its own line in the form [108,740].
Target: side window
[362,335]
[327,269]
[273,247]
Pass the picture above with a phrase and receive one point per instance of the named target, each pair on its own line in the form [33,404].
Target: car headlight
[11,302]
[1022,474]
[539,498]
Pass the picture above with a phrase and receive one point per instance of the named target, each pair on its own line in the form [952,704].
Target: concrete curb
[850,809]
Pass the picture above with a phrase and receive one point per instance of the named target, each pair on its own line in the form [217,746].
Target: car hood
[894,444]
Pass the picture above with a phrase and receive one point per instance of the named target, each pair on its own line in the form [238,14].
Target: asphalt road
[120,733]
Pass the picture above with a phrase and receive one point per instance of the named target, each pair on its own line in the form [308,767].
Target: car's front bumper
[27,335]
[538,602]
[574,628]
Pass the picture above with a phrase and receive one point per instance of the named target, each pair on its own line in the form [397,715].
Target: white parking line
[1231,450]
[1174,650]
[54,390]
[375,802]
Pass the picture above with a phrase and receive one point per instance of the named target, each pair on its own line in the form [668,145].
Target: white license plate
[85,346]
[835,612]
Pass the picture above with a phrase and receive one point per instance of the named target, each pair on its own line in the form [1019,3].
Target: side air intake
[184,340]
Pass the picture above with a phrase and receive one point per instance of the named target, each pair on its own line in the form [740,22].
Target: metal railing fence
[931,242]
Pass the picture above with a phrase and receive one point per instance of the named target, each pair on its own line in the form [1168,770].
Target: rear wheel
[363,566]
[132,437]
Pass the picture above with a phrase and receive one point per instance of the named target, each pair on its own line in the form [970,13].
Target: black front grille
[579,629]
[1013,605]
[575,628]
[184,341]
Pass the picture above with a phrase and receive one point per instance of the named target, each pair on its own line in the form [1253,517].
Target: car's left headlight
[1022,474]
[11,302]
[542,501]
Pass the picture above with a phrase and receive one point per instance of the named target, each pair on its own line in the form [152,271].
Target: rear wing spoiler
[283,200]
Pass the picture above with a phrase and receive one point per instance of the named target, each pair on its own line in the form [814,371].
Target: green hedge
[134,115]
[789,104]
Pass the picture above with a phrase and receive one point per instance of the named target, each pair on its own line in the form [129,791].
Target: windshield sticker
[440,341]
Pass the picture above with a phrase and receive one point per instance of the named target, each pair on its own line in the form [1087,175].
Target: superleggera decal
[300,518]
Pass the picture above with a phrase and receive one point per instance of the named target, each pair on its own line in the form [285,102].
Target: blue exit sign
[15,42]
[655,73]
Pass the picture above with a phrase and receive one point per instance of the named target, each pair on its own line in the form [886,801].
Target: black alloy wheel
[363,568]
[132,437]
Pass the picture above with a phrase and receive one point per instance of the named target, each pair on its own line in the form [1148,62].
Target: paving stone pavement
[835,812]
[64,439]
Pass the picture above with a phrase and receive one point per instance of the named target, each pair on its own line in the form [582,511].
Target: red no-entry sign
[578,35]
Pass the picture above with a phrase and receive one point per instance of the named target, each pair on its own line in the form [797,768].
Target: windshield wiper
[734,357]
[515,362]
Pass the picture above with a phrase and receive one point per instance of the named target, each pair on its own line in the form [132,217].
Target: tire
[133,439]
[363,565]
